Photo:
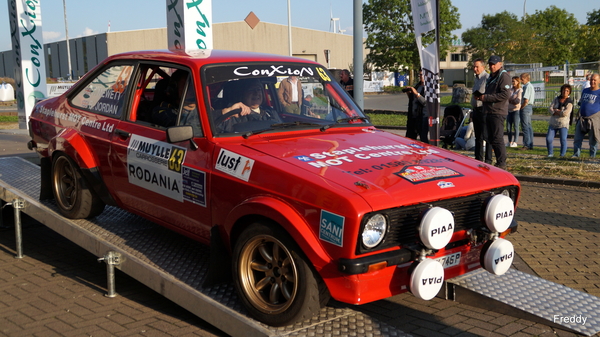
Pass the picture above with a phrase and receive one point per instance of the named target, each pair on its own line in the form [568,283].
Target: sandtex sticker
[417,174]
[234,164]
[332,228]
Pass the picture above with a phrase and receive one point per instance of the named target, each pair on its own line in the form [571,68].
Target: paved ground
[58,288]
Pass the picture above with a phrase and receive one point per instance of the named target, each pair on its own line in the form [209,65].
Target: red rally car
[267,158]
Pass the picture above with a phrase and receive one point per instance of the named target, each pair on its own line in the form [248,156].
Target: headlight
[374,230]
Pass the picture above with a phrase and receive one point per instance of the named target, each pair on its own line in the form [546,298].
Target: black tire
[75,200]
[273,278]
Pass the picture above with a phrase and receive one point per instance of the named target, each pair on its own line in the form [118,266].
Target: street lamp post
[289,27]
[67,40]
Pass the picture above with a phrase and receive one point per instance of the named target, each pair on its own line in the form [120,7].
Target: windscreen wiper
[350,119]
[280,126]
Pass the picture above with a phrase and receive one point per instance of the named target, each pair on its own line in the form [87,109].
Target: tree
[588,43]
[390,32]
[546,37]
[588,39]
[496,35]
[593,18]
[555,30]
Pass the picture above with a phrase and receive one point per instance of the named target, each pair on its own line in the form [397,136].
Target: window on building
[458,58]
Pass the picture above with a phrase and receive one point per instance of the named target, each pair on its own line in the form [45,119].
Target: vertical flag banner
[25,19]
[425,20]
[189,24]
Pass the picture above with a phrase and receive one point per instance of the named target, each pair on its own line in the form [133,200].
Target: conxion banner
[189,24]
[425,20]
[25,20]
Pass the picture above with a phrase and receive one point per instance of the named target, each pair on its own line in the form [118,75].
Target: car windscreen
[246,99]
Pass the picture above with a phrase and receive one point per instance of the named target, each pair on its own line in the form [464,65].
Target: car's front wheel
[75,200]
[273,278]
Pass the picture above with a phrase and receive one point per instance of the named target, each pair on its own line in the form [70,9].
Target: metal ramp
[168,263]
[176,267]
[522,295]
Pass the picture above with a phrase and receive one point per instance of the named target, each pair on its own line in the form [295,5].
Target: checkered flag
[432,86]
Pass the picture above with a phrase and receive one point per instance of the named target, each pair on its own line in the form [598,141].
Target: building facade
[86,52]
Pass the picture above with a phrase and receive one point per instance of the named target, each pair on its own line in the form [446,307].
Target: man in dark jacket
[495,105]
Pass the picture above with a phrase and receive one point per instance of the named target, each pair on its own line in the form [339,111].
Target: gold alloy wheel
[268,274]
[65,183]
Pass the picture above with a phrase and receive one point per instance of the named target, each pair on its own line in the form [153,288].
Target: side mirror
[176,134]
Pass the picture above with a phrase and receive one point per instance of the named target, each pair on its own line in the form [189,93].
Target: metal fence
[544,98]
[548,80]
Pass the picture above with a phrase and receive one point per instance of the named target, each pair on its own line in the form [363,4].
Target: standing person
[589,118]
[586,84]
[347,82]
[417,123]
[495,105]
[290,94]
[560,112]
[514,105]
[478,115]
[526,111]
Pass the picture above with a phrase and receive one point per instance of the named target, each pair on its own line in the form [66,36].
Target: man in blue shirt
[526,111]
[589,118]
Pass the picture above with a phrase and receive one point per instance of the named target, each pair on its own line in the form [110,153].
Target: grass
[9,119]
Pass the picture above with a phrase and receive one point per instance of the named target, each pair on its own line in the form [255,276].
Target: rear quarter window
[106,93]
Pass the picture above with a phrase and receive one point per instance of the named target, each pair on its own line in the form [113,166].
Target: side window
[106,93]
[168,98]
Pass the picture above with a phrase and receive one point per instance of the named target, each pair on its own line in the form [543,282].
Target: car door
[164,181]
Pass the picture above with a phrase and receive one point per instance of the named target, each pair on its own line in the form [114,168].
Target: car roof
[202,57]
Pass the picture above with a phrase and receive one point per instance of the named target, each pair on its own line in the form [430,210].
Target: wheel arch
[279,213]
[71,144]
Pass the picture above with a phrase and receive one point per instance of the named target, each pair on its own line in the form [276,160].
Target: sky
[87,17]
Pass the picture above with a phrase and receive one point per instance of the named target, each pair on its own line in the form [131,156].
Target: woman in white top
[514,104]
[560,111]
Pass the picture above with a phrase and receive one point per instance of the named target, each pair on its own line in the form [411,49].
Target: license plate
[449,260]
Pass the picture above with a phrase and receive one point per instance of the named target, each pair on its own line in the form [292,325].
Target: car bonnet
[386,169]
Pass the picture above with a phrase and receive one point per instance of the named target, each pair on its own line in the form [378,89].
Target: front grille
[404,221]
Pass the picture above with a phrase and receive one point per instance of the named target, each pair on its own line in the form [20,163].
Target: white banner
[423,15]
[425,20]
[57,89]
[189,24]
[373,86]
[25,18]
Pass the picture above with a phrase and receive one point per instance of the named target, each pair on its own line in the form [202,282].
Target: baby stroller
[454,118]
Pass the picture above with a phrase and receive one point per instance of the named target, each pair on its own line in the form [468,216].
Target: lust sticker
[332,228]
[234,164]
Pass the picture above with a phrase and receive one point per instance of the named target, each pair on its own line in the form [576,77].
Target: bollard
[111,259]
[17,205]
